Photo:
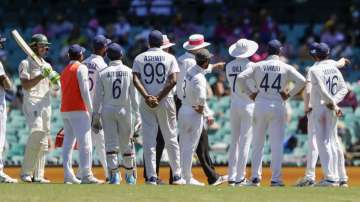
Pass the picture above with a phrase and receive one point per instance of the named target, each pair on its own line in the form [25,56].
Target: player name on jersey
[271,68]
[236,69]
[155,58]
[116,74]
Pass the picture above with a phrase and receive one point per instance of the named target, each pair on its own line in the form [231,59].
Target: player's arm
[24,74]
[83,81]
[342,62]
[216,66]
[200,89]
[242,84]
[306,95]
[99,94]
[5,82]
[298,79]
[134,97]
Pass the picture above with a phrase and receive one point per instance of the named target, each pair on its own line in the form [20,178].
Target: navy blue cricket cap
[76,50]
[114,51]
[274,46]
[322,50]
[100,41]
[155,38]
[313,48]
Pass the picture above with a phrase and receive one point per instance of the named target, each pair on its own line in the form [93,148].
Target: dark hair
[273,51]
[201,62]
[75,57]
[156,44]
[112,58]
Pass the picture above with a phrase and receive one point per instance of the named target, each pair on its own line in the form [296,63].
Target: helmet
[39,39]
[2,41]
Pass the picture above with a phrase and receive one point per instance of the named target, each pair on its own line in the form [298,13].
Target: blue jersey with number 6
[154,67]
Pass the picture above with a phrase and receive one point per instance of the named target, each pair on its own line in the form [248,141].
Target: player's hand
[199,109]
[46,70]
[330,106]
[307,111]
[338,111]
[152,101]
[95,122]
[253,96]
[347,61]
[284,95]
[210,120]
[219,65]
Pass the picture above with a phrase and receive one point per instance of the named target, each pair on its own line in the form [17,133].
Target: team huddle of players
[103,105]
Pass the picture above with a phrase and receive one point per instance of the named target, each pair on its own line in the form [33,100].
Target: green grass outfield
[144,193]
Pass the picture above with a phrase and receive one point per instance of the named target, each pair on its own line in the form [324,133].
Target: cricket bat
[25,47]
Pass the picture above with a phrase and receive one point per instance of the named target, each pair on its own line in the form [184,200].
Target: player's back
[116,80]
[185,61]
[271,77]
[154,66]
[331,78]
[233,69]
[94,63]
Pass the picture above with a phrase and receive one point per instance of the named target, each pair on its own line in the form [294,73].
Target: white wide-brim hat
[166,42]
[243,48]
[196,41]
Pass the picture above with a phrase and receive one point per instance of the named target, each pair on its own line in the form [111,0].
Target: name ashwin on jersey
[154,58]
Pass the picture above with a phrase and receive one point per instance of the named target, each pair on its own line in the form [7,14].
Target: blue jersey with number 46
[154,66]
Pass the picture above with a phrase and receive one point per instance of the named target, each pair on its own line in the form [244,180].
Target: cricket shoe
[4,178]
[305,182]
[73,180]
[90,179]
[255,182]
[41,180]
[130,179]
[241,183]
[231,183]
[115,177]
[327,183]
[276,184]
[195,182]
[177,180]
[152,181]
[220,180]
[343,184]
[26,178]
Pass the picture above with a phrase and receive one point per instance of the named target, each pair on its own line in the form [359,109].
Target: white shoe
[42,181]
[242,183]
[327,183]
[195,182]
[305,182]
[91,180]
[26,178]
[4,178]
[255,182]
[220,180]
[178,180]
[72,181]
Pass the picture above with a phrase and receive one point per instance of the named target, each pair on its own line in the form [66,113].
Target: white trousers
[77,126]
[326,132]
[38,118]
[190,128]
[164,116]
[98,141]
[268,116]
[313,153]
[241,119]
[117,124]
[2,134]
